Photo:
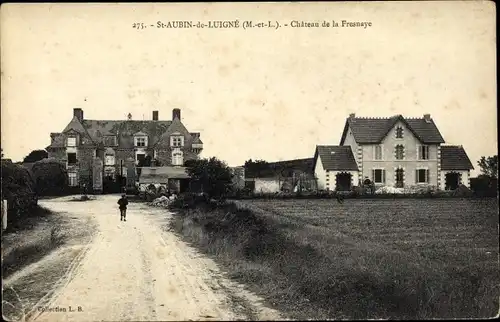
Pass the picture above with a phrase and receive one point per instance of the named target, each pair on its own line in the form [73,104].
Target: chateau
[97,152]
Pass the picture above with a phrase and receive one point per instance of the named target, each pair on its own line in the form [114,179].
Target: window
[400,152]
[177,158]
[400,177]
[71,158]
[109,159]
[378,175]
[422,176]
[71,141]
[399,132]
[378,152]
[73,179]
[140,157]
[177,141]
[140,141]
[423,152]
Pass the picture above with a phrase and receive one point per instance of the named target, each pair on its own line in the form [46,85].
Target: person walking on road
[123,202]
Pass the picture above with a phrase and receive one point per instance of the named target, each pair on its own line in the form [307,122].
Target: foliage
[18,188]
[50,176]
[212,175]
[484,186]
[489,166]
[36,155]
[256,168]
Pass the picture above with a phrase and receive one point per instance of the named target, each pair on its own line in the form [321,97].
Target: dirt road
[135,270]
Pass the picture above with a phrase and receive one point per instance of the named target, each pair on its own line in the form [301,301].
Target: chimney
[176,113]
[155,115]
[78,112]
[427,118]
[352,115]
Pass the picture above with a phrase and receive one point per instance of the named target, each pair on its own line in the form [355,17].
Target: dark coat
[123,202]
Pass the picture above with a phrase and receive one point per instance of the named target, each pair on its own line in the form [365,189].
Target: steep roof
[197,140]
[334,157]
[94,132]
[125,130]
[374,130]
[454,157]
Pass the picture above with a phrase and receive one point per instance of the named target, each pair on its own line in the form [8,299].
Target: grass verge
[309,272]
[35,252]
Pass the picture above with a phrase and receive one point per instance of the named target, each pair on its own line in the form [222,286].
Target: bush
[484,186]
[51,177]
[212,175]
[18,188]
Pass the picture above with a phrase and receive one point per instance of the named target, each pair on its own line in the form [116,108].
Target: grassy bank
[33,237]
[35,254]
[316,270]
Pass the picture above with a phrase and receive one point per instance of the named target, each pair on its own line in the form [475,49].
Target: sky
[259,93]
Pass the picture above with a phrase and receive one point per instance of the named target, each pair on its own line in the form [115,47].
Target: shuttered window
[423,152]
[378,175]
[422,176]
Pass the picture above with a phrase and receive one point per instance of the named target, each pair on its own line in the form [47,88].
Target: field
[403,259]
[452,237]
[459,232]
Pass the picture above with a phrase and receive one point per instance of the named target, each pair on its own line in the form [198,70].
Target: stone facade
[409,164]
[119,146]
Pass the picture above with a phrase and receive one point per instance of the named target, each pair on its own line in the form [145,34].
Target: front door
[400,178]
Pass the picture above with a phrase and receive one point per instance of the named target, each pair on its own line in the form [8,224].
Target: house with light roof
[395,151]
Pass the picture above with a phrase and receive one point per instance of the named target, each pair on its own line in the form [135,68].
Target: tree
[50,176]
[212,175]
[257,168]
[35,155]
[18,188]
[489,166]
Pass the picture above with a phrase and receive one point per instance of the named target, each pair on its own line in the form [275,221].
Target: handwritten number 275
[138,25]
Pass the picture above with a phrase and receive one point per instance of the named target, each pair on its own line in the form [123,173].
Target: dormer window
[176,141]
[399,132]
[71,141]
[141,141]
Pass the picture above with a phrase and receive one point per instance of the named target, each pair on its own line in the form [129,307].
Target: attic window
[177,140]
[71,141]
[399,132]
[141,141]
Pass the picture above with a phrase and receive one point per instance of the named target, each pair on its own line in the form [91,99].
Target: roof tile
[334,157]
[374,130]
[454,157]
